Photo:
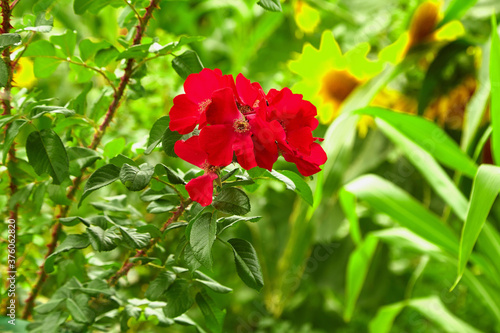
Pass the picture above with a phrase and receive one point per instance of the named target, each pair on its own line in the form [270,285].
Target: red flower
[298,118]
[307,164]
[189,108]
[229,131]
[200,189]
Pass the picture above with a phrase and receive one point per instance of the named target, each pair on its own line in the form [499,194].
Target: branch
[42,276]
[127,265]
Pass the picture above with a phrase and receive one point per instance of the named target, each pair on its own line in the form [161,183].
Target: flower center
[245,109]
[209,168]
[202,107]
[241,126]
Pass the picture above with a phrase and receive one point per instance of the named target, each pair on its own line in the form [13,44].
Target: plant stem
[42,276]
[127,265]
[7,109]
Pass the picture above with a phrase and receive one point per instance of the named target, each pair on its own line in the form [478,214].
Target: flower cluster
[238,121]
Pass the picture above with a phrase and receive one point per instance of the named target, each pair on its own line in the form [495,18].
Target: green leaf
[202,238]
[151,229]
[80,312]
[152,195]
[455,10]
[190,259]
[187,63]
[102,240]
[166,49]
[80,158]
[160,206]
[73,241]
[10,136]
[247,263]
[136,178]
[172,175]
[46,154]
[401,207]
[495,91]
[40,48]
[66,41]
[428,136]
[168,141]
[9,39]
[104,56]
[232,201]
[227,222]
[179,298]
[156,133]
[135,239]
[295,183]
[357,268]
[214,317]
[135,51]
[348,203]
[385,317]
[160,285]
[120,160]
[484,192]
[42,24]
[163,321]
[45,67]
[73,220]
[4,120]
[88,48]
[4,73]
[40,110]
[271,5]
[100,178]
[211,283]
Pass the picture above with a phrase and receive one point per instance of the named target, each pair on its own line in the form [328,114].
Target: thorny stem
[127,265]
[42,276]
[7,108]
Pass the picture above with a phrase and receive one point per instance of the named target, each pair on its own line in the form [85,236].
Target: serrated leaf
[104,56]
[136,178]
[179,298]
[102,240]
[160,285]
[214,317]
[151,229]
[100,178]
[40,110]
[227,222]
[190,259]
[187,63]
[271,5]
[81,158]
[247,263]
[73,220]
[156,133]
[80,313]
[160,206]
[168,141]
[211,283]
[10,136]
[46,154]
[232,201]
[135,239]
[202,238]
[73,241]
[295,183]
[173,176]
[9,39]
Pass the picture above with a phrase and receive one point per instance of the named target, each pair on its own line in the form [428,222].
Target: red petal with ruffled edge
[265,135]
[201,189]
[200,86]
[191,151]
[249,93]
[184,115]
[243,148]
[223,109]
[307,165]
[217,141]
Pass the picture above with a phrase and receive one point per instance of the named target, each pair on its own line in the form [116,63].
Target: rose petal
[191,151]
[201,189]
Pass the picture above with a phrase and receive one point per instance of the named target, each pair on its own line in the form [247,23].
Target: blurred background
[318,278]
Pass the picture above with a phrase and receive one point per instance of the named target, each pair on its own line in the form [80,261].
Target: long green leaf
[484,192]
[428,136]
[357,269]
[455,10]
[401,207]
[495,91]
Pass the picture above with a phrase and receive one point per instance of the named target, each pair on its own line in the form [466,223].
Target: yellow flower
[306,17]
[328,76]
[23,74]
